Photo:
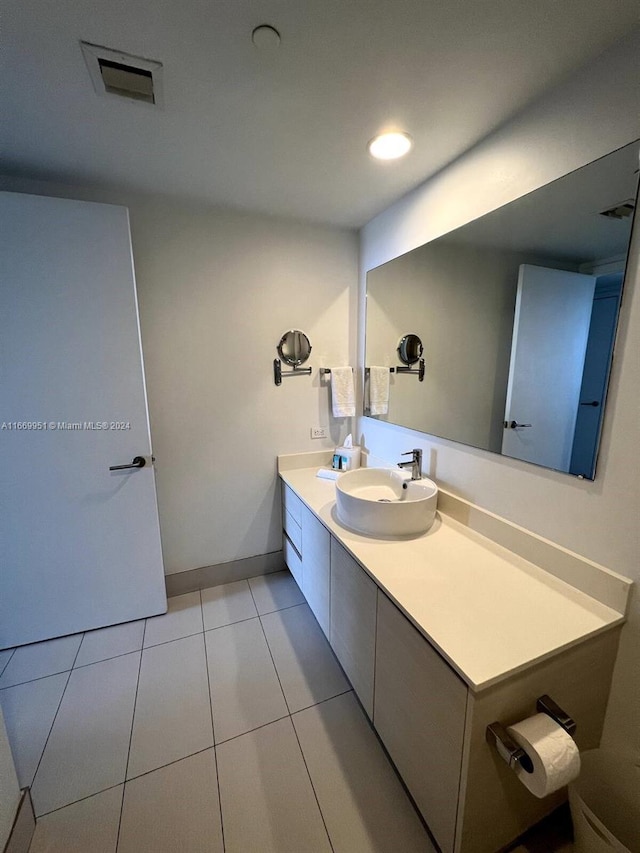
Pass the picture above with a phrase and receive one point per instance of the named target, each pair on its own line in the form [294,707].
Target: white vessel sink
[382,502]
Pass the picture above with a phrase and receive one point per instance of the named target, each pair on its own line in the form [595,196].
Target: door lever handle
[514,425]
[138,462]
[593,403]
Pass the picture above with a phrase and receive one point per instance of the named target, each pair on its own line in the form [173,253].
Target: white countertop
[488,611]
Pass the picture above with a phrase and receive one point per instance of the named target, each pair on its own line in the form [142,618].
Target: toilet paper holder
[509,750]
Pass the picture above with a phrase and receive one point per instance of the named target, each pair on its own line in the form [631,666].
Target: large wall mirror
[517,312]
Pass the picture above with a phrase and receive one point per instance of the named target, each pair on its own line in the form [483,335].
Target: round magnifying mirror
[294,347]
[410,349]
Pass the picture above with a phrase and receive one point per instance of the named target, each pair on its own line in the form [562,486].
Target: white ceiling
[282,132]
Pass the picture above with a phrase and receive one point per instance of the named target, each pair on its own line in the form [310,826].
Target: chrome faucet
[415,464]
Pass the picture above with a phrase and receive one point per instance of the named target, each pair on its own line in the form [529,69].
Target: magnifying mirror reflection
[410,349]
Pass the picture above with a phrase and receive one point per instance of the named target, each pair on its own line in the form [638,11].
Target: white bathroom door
[80,543]
[550,332]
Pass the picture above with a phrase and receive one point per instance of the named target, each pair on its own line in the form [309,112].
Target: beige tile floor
[225,725]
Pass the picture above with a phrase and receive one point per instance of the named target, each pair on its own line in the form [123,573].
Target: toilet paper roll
[553,752]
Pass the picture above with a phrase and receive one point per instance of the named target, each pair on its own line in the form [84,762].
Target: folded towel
[343,395]
[379,390]
[327,474]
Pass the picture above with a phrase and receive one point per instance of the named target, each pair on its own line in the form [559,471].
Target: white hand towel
[343,394]
[379,390]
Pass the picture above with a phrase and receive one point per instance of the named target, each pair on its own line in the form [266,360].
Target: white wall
[216,291]
[588,116]
[9,789]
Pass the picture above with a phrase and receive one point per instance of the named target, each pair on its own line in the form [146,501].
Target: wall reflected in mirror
[517,312]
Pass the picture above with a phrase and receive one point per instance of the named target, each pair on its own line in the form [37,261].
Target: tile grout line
[82,666]
[146,772]
[13,651]
[168,764]
[178,760]
[289,715]
[74,668]
[141,651]
[133,717]
[292,724]
[38,678]
[256,729]
[228,624]
[117,785]
[313,788]
[78,652]
[241,734]
[213,727]
[322,701]
[280,609]
[273,663]
[164,642]
[111,657]
[81,800]
[55,716]
[77,665]
[306,766]
[79,647]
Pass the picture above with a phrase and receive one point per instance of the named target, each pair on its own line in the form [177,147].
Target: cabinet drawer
[292,529]
[419,712]
[316,567]
[292,503]
[293,560]
[353,622]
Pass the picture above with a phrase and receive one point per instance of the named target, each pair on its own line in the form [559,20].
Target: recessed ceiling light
[390,146]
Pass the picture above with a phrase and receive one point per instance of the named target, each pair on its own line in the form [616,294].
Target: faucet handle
[416,452]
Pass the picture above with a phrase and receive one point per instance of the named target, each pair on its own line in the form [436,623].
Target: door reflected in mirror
[518,311]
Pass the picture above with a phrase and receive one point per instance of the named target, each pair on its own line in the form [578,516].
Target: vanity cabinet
[316,563]
[341,595]
[419,713]
[432,721]
[353,622]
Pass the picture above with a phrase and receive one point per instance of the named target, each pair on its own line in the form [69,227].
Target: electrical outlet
[318,432]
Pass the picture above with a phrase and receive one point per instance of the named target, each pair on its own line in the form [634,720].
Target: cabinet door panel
[419,712]
[315,567]
[293,560]
[292,503]
[292,529]
[353,622]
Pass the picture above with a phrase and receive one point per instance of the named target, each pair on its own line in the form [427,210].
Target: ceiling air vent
[117,74]
[620,211]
